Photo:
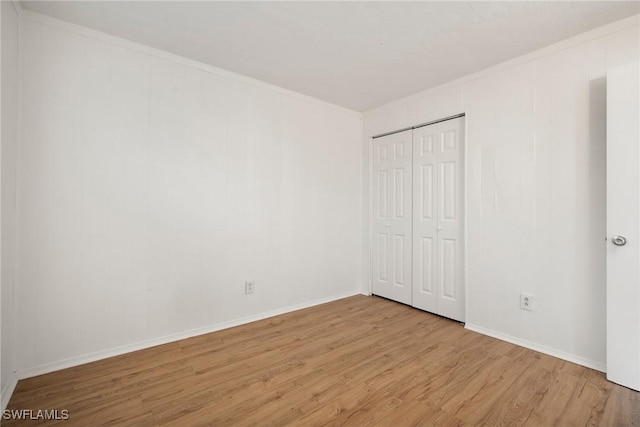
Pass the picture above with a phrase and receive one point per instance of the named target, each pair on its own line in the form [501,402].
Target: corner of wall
[7,391]
[9,96]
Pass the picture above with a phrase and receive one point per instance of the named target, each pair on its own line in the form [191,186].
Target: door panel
[448,191]
[438,176]
[450,219]
[382,194]
[448,268]
[392,207]
[426,192]
[623,219]
[382,259]
[426,268]
[426,180]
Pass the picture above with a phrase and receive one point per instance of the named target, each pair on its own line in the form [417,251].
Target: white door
[623,226]
[438,267]
[391,222]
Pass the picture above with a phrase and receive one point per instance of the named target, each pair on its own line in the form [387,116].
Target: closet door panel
[450,219]
[391,222]
[425,217]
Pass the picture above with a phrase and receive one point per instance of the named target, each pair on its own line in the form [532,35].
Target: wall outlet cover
[249,287]
[526,302]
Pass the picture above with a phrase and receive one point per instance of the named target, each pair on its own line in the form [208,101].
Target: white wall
[535,201]
[10,111]
[150,188]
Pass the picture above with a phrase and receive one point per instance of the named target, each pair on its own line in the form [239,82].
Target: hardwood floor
[358,361]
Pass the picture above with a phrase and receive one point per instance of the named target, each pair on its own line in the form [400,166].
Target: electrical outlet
[526,302]
[249,287]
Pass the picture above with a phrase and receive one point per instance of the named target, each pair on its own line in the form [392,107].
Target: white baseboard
[598,366]
[117,351]
[7,391]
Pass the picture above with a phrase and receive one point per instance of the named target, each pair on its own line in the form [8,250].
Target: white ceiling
[356,54]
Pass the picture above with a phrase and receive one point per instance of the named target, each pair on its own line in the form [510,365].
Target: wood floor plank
[622,409]
[357,361]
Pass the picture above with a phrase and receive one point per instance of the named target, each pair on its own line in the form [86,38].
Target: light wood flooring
[357,361]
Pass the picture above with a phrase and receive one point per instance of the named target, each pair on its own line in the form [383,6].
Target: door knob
[619,240]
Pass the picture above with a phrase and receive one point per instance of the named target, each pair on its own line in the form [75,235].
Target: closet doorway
[418,217]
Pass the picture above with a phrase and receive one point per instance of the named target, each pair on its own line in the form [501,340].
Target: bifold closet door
[392,213]
[438,268]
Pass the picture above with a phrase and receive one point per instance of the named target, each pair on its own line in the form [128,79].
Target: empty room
[368,213]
